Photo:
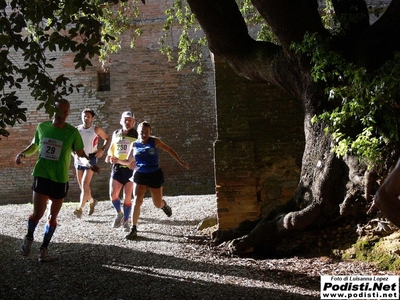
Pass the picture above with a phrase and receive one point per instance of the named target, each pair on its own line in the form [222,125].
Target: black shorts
[154,180]
[50,188]
[121,174]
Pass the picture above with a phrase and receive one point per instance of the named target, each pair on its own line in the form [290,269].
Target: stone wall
[259,145]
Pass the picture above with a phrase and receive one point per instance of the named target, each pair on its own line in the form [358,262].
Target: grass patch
[383,252]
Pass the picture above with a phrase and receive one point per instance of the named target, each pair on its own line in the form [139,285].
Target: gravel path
[94,261]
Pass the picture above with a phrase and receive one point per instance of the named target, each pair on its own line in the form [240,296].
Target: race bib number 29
[51,149]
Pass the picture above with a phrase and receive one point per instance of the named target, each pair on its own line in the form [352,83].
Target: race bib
[51,149]
[122,147]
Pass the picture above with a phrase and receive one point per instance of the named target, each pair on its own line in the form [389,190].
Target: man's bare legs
[115,190]
[84,178]
[40,203]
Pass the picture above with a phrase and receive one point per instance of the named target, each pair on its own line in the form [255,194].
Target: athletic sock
[31,227]
[117,204]
[48,234]
[127,211]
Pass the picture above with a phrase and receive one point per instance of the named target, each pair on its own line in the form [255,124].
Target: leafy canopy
[34,32]
[365,117]
[30,32]
[38,30]
[191,41]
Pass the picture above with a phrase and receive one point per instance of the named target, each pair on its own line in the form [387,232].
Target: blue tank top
[146,156]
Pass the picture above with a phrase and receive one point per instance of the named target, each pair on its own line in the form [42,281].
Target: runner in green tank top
[54,141]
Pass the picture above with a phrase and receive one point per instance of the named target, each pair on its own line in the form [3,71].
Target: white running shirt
[90,142]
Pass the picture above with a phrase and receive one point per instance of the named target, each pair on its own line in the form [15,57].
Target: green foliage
[180,20]
[337,25]
[365,106]
[116,19]
[191,40]
[31,34]
[38,30]
[329,17]
[253,18]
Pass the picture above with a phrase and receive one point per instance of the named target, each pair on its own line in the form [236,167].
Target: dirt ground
[92,260]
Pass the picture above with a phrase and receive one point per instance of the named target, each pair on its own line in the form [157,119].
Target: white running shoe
[92,205]
[78,212]
[26,246]
[126,226]
[118,220]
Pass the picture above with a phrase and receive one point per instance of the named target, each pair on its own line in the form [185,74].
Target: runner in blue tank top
[143,155]
[146,156]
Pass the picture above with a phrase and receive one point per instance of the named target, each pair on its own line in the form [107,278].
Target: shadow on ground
[86,271]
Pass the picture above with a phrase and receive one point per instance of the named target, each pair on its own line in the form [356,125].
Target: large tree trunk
[322,188]
[326,181]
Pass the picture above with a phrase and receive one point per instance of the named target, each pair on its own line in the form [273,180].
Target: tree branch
[379,42]
[291,19]
[353,16]
[223,24]
[228,37]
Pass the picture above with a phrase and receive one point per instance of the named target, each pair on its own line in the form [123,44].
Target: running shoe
[133,234]
[126,226]
[26,246]
[118,220]
[92,205]
[44,255]
[78,212]
[167,210]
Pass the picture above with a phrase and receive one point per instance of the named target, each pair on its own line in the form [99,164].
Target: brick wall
[251,158]
[258,149]
[179,105]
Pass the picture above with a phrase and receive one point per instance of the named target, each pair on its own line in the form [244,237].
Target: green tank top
[55,147]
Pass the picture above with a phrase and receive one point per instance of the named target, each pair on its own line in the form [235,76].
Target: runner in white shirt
[90,135]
